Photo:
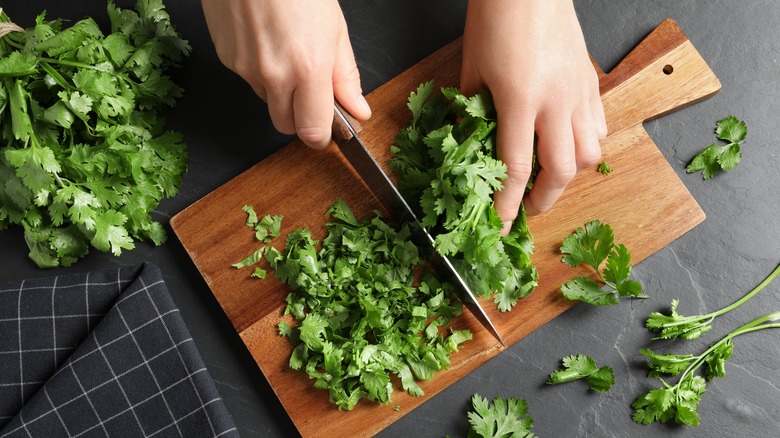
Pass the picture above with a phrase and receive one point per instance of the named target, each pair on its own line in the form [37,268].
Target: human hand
[531,55]
[296,55]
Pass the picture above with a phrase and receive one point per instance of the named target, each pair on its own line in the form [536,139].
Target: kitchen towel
[102,354]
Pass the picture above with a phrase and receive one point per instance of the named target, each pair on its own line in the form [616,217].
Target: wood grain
[643,200]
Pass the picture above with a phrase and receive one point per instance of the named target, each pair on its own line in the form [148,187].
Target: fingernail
[364,105]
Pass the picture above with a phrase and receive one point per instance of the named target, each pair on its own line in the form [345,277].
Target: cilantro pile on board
[85,156]
[445,159]
[363,317]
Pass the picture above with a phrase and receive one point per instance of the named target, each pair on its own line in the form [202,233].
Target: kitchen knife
[345,134]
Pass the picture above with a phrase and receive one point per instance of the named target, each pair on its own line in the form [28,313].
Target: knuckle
[562,173]
[518,172]
[589,157]
[316,137]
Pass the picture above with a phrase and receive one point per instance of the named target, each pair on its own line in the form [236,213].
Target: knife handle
[341,132]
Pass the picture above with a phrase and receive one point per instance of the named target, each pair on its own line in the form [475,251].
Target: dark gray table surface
[227,129]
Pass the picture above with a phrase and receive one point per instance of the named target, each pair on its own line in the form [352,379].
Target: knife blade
[345,133]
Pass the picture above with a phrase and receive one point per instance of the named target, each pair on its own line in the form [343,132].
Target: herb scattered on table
[591,245]
[583,367]
[85,155]
[715,158]
[605,168]
[364,313]
[501,419]
[445,158]
[675,325]
[679,402]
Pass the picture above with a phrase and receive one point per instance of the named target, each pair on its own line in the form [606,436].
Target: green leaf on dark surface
[714,158]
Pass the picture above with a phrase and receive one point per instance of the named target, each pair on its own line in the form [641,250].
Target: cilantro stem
[749,295]
[736,304]
[55,75]
[755,325]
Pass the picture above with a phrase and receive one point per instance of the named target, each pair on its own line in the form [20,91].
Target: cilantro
[85,157]
[591,246]
[583,367]
[605,168]
[715,158]
[445,159]
[675,325]
[365,316]
[679,402]
[504,418]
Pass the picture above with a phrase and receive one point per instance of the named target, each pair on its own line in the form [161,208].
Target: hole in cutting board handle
[668,69]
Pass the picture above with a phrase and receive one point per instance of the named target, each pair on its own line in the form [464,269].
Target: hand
[296,55]
[531,55]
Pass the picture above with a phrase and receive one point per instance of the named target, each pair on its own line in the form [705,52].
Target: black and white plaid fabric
[103,354]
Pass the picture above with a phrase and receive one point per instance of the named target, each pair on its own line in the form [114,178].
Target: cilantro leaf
[591,245]
[714,158]
[503,418]
[583,367]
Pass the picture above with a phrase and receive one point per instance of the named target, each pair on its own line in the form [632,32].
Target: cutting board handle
[661,74]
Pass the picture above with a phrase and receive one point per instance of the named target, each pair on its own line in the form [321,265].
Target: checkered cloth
[102,354]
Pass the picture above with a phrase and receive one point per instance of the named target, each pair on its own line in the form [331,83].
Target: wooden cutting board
[643,200]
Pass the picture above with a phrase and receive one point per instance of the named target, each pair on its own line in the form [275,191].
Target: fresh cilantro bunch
[445,158]
[583,367]
[591,245]
[503,419]
[363,315]
[85,154]
[714,157]
[679,402]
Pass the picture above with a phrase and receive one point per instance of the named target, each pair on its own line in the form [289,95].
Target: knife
[345,134]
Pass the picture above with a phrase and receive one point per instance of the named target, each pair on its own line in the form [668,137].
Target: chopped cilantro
[591,245]
[715,158]
[583,367]
[605,168]
[446,163]
[85,157]
[365,316]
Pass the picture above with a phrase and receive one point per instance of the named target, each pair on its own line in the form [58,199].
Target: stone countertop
[228,129]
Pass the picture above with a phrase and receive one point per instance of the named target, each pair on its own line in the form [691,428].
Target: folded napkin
[102,354]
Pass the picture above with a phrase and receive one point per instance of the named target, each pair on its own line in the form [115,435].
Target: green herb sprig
[591,245]
[679,402]
[581,366]
[674,325]
[715,158]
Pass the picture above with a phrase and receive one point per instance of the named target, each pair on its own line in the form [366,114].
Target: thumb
[346,81]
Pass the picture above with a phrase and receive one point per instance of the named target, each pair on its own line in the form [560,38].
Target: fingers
[515,147]
[346,82]
[567,143]
[557,160]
